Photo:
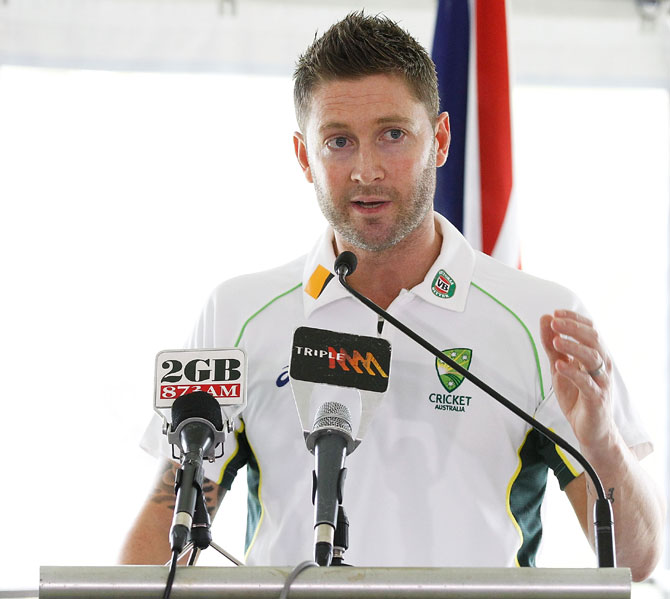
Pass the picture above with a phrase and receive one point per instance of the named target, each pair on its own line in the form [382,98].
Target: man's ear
[301,154]
[443,138]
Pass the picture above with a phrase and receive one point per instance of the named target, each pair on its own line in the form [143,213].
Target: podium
[139,582]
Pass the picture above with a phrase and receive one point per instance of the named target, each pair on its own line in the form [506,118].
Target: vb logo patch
[443,285]
[451,380]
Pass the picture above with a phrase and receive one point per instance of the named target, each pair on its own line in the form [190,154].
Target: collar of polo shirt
[445,285]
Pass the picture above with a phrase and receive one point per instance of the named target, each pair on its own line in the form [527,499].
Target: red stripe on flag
[495,138]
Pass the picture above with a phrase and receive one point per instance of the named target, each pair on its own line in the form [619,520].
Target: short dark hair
[361,45]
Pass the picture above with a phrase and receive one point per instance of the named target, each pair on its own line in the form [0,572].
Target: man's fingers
[589,357]
[570,339]
[574,316]
[547,335]
[589,386]
[581,332]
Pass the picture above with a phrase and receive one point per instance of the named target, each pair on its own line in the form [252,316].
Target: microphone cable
[290,579]
[171,575]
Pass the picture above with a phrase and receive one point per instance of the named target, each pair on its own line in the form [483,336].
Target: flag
[474,187]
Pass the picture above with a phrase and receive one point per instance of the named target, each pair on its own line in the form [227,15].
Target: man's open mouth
[369,204]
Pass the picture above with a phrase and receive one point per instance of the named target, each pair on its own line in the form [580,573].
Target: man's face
[371,151]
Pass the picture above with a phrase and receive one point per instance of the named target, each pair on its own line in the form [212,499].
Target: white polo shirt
[445,476]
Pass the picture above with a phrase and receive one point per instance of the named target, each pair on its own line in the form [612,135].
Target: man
[445,476]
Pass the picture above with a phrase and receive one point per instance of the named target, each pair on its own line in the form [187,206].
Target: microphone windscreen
[333,415]
[197,405]
[346,260]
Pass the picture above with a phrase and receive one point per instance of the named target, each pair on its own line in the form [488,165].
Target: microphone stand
[603,516]
[201,536]
[341,539]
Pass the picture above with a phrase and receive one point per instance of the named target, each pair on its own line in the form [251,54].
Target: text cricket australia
[219,372]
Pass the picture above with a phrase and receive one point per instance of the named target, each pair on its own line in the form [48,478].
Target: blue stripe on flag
[451,47]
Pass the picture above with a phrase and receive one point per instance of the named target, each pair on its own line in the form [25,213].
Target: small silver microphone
[330,441]
[331,417]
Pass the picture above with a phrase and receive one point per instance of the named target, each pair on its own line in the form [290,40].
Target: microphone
[342,360]
[330,441]
[358,362]
[345,264]
[197,427]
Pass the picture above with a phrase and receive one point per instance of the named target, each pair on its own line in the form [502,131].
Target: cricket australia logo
[451,380]
[443,285]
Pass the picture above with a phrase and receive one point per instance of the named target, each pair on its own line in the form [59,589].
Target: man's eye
[337,142]
[394,134]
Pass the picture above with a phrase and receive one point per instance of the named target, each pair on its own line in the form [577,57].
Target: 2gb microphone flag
[340,359]
[474,187]
[220,372]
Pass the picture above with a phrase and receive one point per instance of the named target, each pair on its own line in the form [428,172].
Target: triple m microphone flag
[474,187]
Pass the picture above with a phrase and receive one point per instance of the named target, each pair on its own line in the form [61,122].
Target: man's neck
[381,276]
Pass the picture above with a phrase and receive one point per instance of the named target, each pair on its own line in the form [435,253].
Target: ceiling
[581,42]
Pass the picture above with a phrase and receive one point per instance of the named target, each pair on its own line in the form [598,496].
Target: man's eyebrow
[332,125]
[384,120]
[401,120]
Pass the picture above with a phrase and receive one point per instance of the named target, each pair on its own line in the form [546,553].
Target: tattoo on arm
[210,503]
[163,492]
[589,487]
[591,491]
[212,499]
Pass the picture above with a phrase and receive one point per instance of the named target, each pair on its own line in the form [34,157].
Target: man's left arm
[581,372]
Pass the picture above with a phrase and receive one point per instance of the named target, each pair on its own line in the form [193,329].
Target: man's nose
[368,167]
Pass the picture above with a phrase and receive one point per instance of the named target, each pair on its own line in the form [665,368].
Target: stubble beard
[412,212]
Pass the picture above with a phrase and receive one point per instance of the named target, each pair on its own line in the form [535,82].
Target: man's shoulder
[519,290]
[237,301]
[262,285]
